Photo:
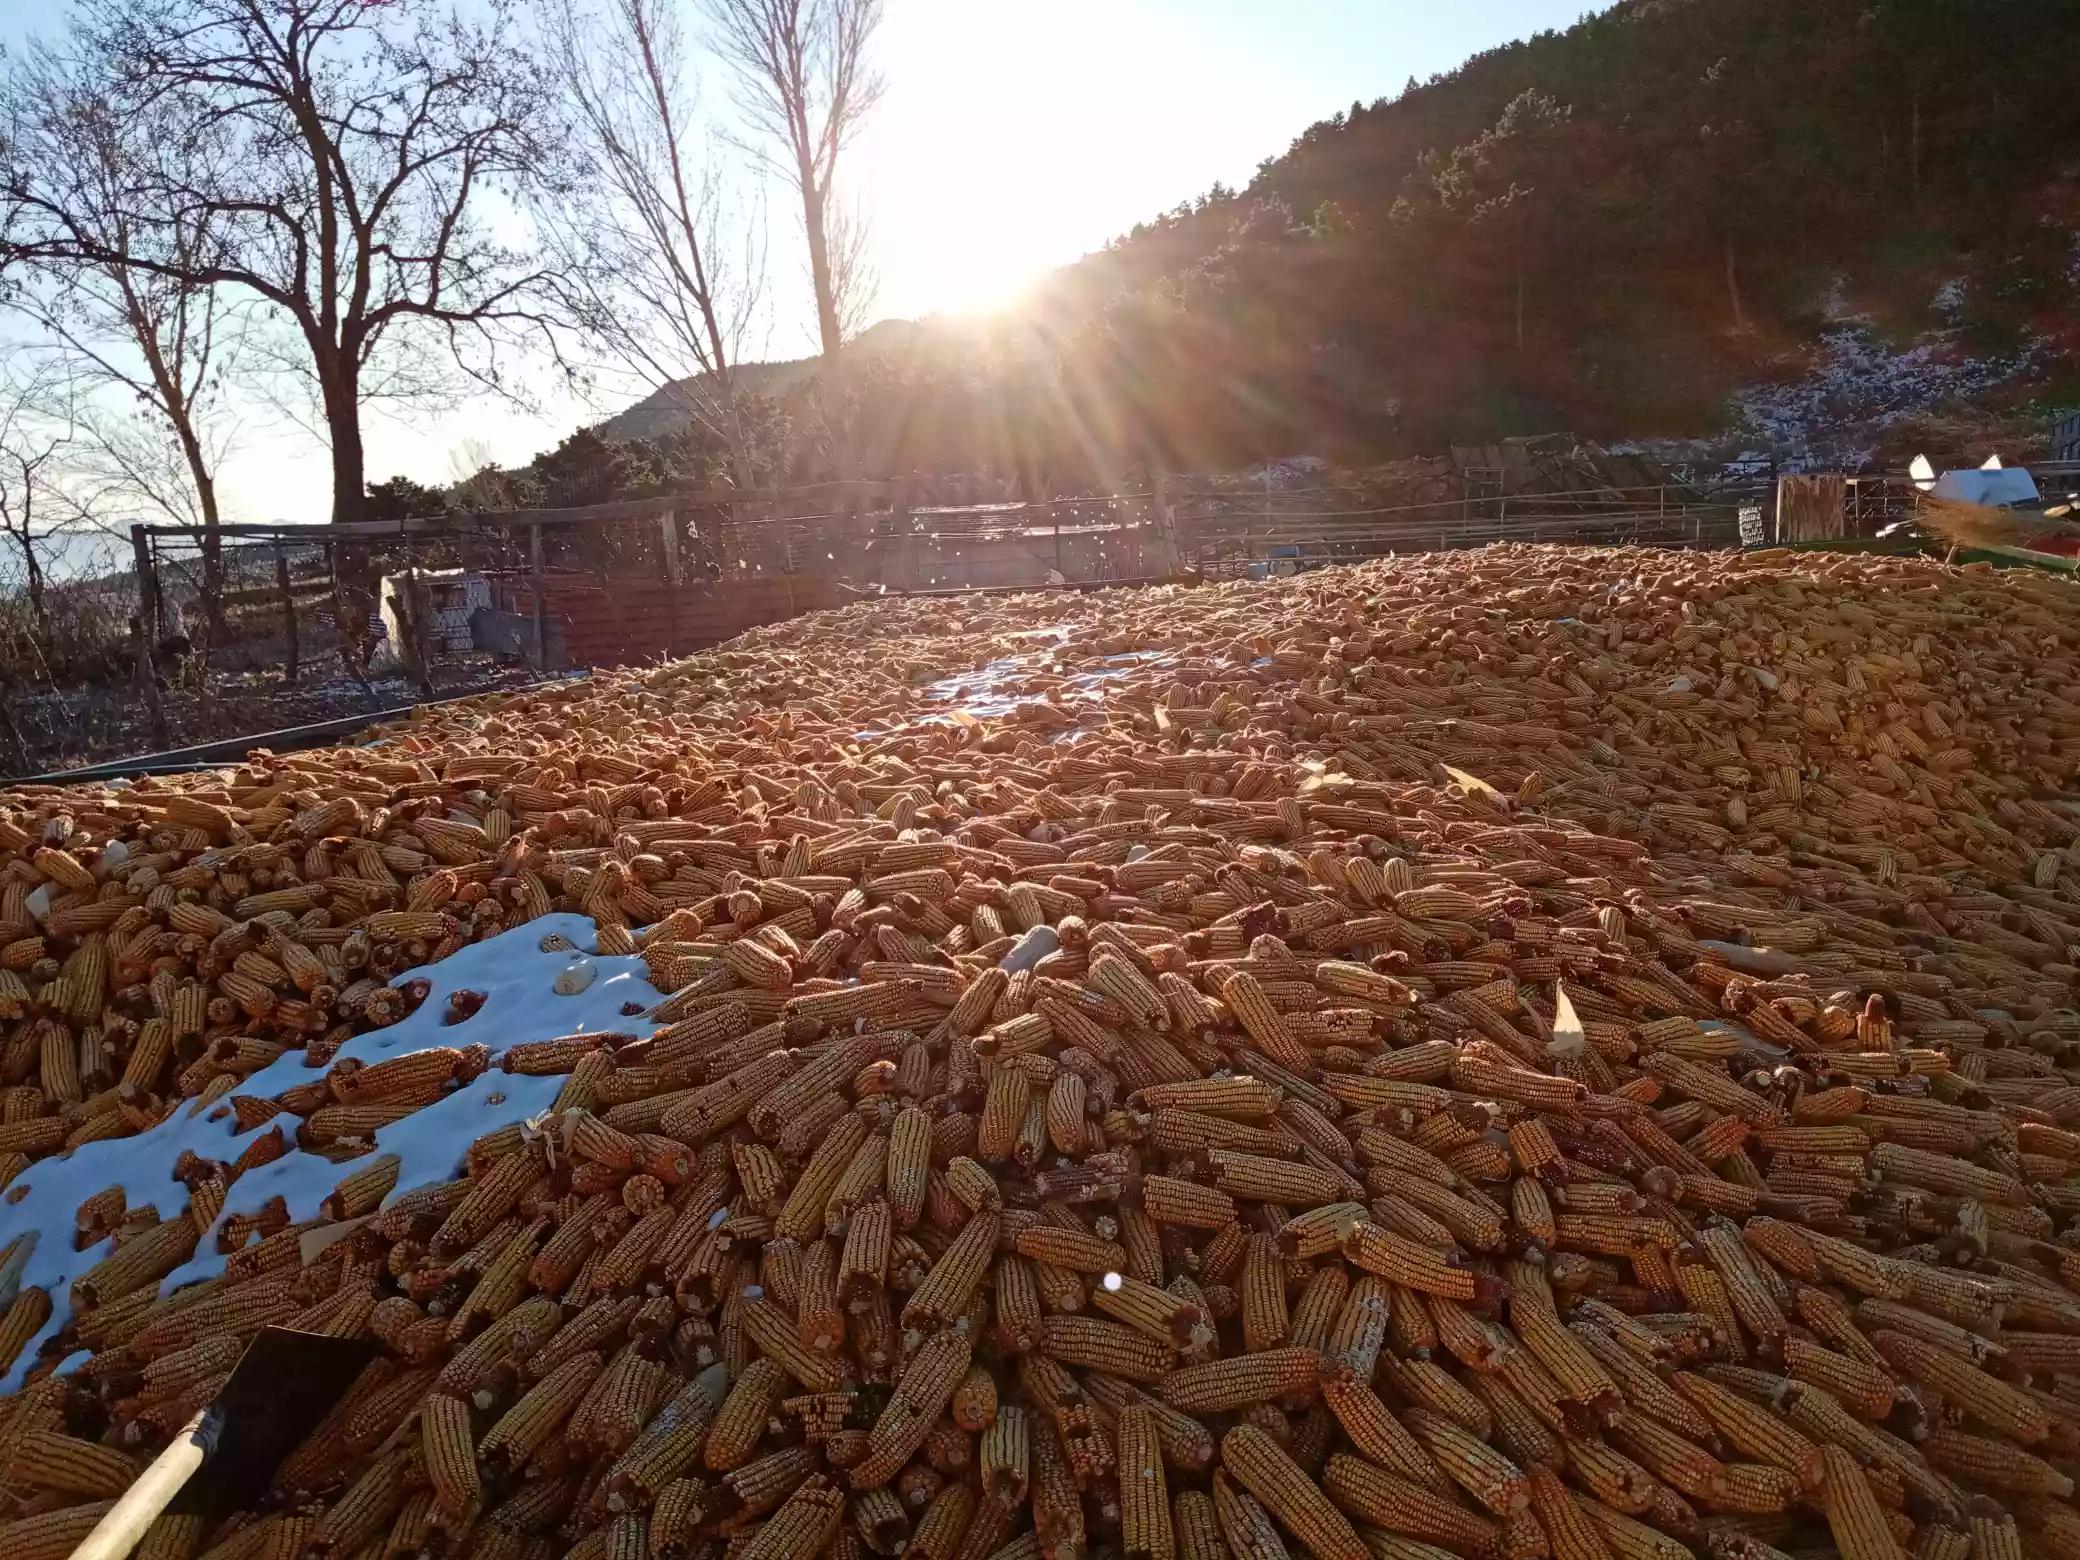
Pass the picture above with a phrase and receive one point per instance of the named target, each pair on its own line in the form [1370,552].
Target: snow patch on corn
[530,993]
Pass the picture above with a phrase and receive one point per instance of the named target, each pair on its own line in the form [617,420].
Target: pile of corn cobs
[1502,1054]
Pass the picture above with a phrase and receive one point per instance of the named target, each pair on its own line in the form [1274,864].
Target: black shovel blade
[284,1384]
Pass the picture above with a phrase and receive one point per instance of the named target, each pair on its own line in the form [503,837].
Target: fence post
[148,684]
[1054,510]
[1166,550]
[540,587]
[144,638]
[281,580]
[149,602]
[668,534]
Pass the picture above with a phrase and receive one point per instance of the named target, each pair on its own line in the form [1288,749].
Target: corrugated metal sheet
[595,621]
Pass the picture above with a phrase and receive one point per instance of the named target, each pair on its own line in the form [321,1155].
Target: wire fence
[109,645]
[65,613]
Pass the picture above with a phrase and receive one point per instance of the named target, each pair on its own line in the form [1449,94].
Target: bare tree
[341,152]
[804,86]
[166,345]
[36,429]
[855,281]
[647,276]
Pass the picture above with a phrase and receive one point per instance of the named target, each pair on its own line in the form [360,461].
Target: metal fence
[1222,533]
[319,622]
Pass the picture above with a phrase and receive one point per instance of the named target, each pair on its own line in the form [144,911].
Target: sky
[1012,139]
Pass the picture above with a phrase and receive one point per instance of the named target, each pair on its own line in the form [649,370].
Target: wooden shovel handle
[116,1534]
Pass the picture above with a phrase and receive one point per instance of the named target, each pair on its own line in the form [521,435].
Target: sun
[984,177]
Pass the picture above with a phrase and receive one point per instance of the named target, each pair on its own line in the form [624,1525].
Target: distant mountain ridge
[1839,226]
[663,412]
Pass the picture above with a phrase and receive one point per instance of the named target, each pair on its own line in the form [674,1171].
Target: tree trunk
[820,265]
[340,384]
[836,418]
[1520,312]
[212,538]
[33,567]
[1733,291]
[733,429]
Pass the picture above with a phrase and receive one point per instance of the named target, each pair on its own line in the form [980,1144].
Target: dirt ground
[70,727]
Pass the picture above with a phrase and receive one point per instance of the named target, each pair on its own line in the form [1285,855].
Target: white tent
[1997,486]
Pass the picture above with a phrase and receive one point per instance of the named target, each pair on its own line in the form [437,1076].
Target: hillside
[1833,229]
[663,411]
[1620,227]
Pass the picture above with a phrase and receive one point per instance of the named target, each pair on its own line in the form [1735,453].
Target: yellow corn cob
[1379,1498]
[1057,1503]
[1194,1525]
[1167,1318]
[927,1386]
[1245,1525]
[138,1261]
[804,1523]
[1240,1098]
[1258,1464]
[1258,1179]
[1480,1470]
[1320,1303]
[1853,1515]
[802,1215]
[1569,1529]
[740,1423]
[1752,1488]
[1145,1529]
[538,1413]
[776,1336]
[1075,1249]
[1005,1456]
[1984,1398]
[1096,1344]
[1265,1319]
[1402,1261]
[365,1510]
[1936,1542]
[1217,1386]
[1632,1540]
[22,1320]
[909,1164]
[956,1276]
[450,1452]
[1121,980]
[1383,1439]
[669,1445]
[1748,1427]
[172,1537]
[1610,1476]
[51,1535]
[1996,1464]
[1538,1325]
[50,1460]
[882,1521]
[1004,1108]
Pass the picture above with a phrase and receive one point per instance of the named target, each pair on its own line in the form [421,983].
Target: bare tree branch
[643,269]
[855,282]
[345,159]
[166,347]
[803,85]
[37,425]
